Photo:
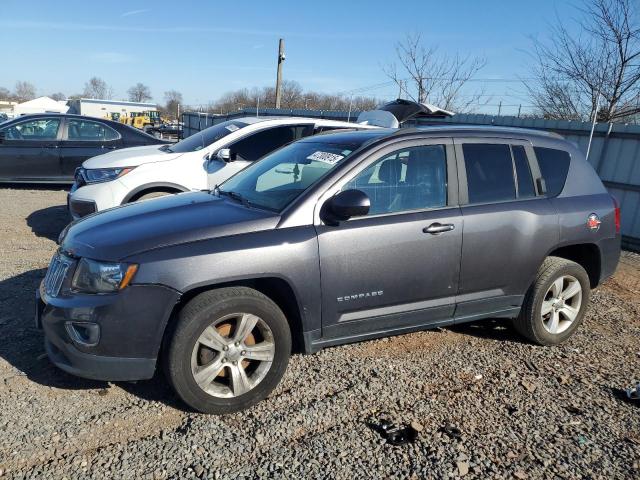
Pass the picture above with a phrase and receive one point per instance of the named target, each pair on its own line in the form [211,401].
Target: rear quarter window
[554,165]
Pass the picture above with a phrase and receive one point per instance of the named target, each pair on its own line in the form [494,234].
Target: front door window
[39,129]
[413,178]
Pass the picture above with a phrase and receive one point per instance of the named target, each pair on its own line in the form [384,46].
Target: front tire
[555,304]
[229,350]
[150,195]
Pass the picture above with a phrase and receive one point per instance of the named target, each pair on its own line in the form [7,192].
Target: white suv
[198,162]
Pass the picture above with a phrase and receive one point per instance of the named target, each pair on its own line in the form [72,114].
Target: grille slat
[55,275]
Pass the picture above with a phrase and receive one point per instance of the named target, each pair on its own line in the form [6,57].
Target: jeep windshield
[206,137]
[279,178]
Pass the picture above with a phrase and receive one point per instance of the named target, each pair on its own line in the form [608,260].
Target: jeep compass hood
[120,232]
[392,114]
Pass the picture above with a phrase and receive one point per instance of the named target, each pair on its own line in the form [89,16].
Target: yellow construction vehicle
[145,120]
[141,120]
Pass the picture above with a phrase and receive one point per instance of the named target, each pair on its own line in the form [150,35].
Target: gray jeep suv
[336,238]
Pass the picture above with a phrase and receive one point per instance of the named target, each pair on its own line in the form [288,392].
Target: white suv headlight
[98,175]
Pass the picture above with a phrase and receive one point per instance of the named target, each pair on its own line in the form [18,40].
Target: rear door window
[84,130]
[489,169]
[523,172]
[257,145]
[554,165]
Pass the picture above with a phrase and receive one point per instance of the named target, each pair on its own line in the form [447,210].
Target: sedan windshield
[279,178]
[203,139]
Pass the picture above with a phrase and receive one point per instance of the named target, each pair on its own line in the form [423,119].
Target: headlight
[102,277]
[97,175]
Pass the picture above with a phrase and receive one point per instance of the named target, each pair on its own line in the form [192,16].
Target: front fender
[288,254]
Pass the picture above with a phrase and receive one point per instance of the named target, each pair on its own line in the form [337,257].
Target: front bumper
[80,208]
[95,197]
[98,367]
[130,324]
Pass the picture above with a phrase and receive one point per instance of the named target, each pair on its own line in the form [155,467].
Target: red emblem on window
[593,222]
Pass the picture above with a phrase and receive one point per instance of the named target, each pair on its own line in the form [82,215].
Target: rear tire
[555,304]
[229,350]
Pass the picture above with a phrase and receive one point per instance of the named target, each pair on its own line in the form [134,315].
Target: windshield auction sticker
[232,127]
[325,157]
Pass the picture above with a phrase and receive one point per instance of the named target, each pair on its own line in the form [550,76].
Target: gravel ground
[484,403]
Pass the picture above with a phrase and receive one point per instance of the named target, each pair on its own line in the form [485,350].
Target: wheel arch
[277,289]
[587,255]
[153,187]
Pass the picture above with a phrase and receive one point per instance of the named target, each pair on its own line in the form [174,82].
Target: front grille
[56,274]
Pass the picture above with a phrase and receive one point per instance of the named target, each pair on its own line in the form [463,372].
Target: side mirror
[224,154]
[344,205]
[3,136]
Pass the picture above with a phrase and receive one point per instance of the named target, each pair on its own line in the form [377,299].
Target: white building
[40,105]
[104,108]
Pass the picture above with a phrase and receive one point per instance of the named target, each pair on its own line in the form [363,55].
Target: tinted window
[408,179]
[554,165]
[523,172]
[40,129]
[489,172]
[257,145]
[206,137]
[83,130]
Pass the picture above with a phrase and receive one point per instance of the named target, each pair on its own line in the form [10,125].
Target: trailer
[111,109]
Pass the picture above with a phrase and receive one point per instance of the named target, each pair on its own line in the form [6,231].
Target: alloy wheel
[561,304]
[232,355]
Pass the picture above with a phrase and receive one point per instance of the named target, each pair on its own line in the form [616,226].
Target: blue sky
[204,49]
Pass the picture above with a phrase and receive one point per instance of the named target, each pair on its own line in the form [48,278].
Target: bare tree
[58,96]
[293,96]
[97,88]
[173,100]
[5,94]
[24,91]
[595,69]
[139,93]
[425,75]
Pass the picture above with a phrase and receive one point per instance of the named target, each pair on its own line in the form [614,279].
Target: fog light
[86,334]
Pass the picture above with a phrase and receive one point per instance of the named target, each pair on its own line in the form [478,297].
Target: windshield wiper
[240,198]
[231,194]
[166,148]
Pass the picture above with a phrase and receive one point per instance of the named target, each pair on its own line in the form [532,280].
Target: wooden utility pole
[279,77]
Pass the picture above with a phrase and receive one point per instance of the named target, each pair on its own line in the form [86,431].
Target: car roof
[289,120]
[67,115]
[485,130]
[488,131]
[350,136]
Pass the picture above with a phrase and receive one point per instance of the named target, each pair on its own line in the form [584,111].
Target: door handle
[51,145]
[436,228]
